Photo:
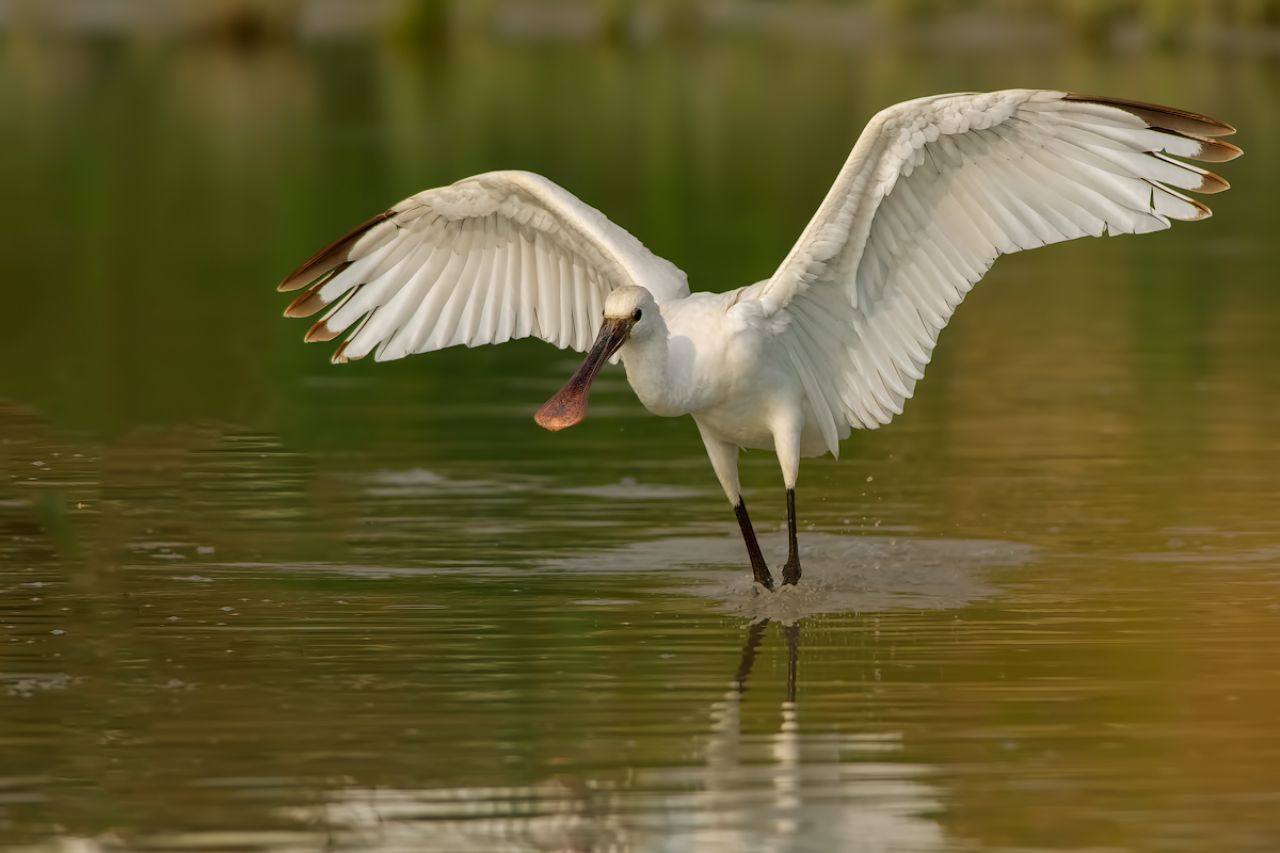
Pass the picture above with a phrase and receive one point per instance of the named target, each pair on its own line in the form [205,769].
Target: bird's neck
[648,366]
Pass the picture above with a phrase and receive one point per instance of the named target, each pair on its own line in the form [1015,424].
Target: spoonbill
[933,192]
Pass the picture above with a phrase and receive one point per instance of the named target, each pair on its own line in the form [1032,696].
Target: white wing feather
[937,188]
[494,257]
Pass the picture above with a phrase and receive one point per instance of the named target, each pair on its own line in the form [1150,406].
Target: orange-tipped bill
[569,406]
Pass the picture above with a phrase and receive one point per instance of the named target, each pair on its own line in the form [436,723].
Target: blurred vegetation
[1127,23]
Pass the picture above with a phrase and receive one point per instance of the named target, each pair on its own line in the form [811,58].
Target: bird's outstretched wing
[937,188]
[498,256]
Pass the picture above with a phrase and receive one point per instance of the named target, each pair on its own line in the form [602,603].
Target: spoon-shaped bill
[569,406]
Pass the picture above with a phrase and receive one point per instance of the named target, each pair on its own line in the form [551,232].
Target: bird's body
[721,362]
[836,338]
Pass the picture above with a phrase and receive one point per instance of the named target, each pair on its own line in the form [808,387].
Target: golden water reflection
[780,790]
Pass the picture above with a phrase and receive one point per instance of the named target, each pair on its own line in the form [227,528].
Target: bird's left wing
[934,190]
[491,258]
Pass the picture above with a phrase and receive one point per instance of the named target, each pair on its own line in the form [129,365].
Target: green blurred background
[165,162]
[1165,22]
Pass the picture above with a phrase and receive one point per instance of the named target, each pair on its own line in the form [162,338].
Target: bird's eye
[636,316]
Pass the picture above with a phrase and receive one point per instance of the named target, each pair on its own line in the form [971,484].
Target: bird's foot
[791,572]
[760,574]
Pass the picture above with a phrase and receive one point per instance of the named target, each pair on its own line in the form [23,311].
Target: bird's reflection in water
[781,789]
[789,790]
[724,759]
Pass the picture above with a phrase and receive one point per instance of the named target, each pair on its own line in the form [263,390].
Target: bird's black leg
[759,568]
[791,569]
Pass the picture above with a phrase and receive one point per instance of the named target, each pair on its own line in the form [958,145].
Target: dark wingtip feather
[1211,183]
[330,257]
[340,354]
[321,333]
[306,304]
[1217,151]
[1166,118]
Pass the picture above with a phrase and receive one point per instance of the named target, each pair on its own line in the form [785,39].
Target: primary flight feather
[933,192]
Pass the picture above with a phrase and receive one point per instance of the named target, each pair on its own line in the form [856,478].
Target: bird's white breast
[689,362]
[720,364]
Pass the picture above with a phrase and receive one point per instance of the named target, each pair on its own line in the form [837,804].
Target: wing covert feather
[490,258]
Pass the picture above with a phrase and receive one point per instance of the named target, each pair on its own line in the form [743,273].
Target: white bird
[933,192]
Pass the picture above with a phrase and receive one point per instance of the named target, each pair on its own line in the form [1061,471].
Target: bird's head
[625,310]
[629,306]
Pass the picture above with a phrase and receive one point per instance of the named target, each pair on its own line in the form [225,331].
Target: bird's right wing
[933,192]
[488,259]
